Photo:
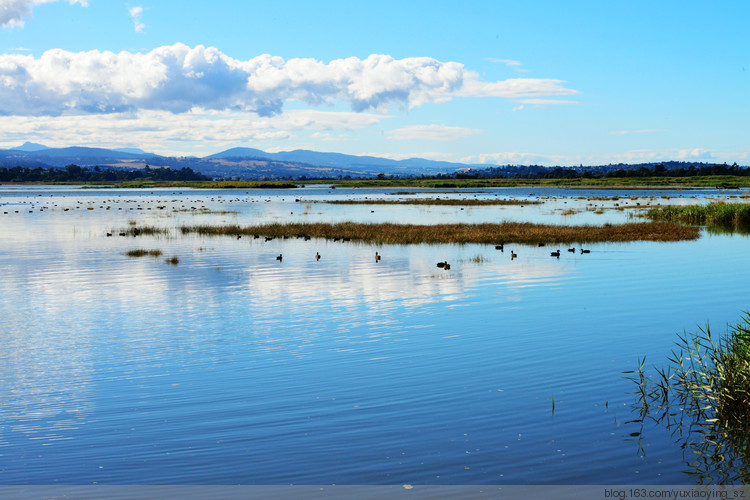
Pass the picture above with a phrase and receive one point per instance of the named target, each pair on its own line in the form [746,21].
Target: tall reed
[729,215]
[703,395]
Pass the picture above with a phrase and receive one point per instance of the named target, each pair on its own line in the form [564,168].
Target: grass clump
[143,253]
[174,260]
[704,396]
[728,215]
[143,230]
[507,232]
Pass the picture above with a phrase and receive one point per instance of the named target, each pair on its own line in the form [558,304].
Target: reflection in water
[232,367]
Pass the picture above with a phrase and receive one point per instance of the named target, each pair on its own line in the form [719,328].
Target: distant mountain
[366,164]
[135,151]
[30,146]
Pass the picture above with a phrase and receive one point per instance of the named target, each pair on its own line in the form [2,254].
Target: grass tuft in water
[174,260]
[703,395]
[143,253]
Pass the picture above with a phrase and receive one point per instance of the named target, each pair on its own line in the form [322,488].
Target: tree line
[75,173]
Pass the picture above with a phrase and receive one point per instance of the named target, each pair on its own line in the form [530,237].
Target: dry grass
[507,232]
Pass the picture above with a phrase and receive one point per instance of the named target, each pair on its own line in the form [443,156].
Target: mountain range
[244,163]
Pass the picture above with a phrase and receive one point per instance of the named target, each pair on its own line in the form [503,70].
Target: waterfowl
[441,264]
[555,254]
[279,257]
[377,257]
[541,244]
[447,266]
[513,255]
[585,251]
[317,256]
[572,249]
[499,247]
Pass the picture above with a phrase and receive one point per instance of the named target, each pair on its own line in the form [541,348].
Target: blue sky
[490,82]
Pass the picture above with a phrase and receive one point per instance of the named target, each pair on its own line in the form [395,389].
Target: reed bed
[434,201]
[506,232]
[703,395]
[734,215]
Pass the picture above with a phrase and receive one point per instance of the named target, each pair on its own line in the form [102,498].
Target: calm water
[232,367]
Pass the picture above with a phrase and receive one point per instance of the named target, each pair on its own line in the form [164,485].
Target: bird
[269,239]
[513,255]
[572,249]
[441,264]
[317,256]
[555,254]
[585,251]
[279,257]
[239,236]
[541,244]
[377,257]
[447,266]
[499,247]
[109,234]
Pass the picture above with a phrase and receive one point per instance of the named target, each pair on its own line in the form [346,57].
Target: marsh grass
[143,253]
[703,396]
[434,201]
[174,260]
[144,230]
[506,232]
[728,215]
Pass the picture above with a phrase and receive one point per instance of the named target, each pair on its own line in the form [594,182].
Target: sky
[485,82]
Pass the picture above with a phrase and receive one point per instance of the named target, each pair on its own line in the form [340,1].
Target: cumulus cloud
[137,13]
[179,78]
[13,12]
[431,133]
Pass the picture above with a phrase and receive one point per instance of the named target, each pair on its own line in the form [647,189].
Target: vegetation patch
[143,230]
[143,253]
[703,395]
[507,232]
[728,215]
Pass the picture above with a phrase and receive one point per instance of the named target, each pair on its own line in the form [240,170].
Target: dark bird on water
[279,257]
[317,256]
[555,254]
[499,247]
[585,251]
[377,257]
[572,249]
[513,255]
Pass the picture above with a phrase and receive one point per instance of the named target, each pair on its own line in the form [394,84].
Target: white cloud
[431,133]
[13,12]
[641,131]
[178,78]
[137,13]
[515,158]
[176,134]
[694,154]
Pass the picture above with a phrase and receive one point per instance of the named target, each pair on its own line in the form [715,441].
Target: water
[233,368]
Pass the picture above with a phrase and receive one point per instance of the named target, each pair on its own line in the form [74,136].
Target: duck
[513,255]
[377,257]
[442,264]
[317,256]
[499,247]
[555,254]
[585,251]
[572,249]
[279,257]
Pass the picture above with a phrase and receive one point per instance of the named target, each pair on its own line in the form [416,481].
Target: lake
[232,367]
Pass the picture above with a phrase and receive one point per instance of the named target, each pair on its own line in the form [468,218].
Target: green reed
[728,215]
[703,395]
[143,253]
